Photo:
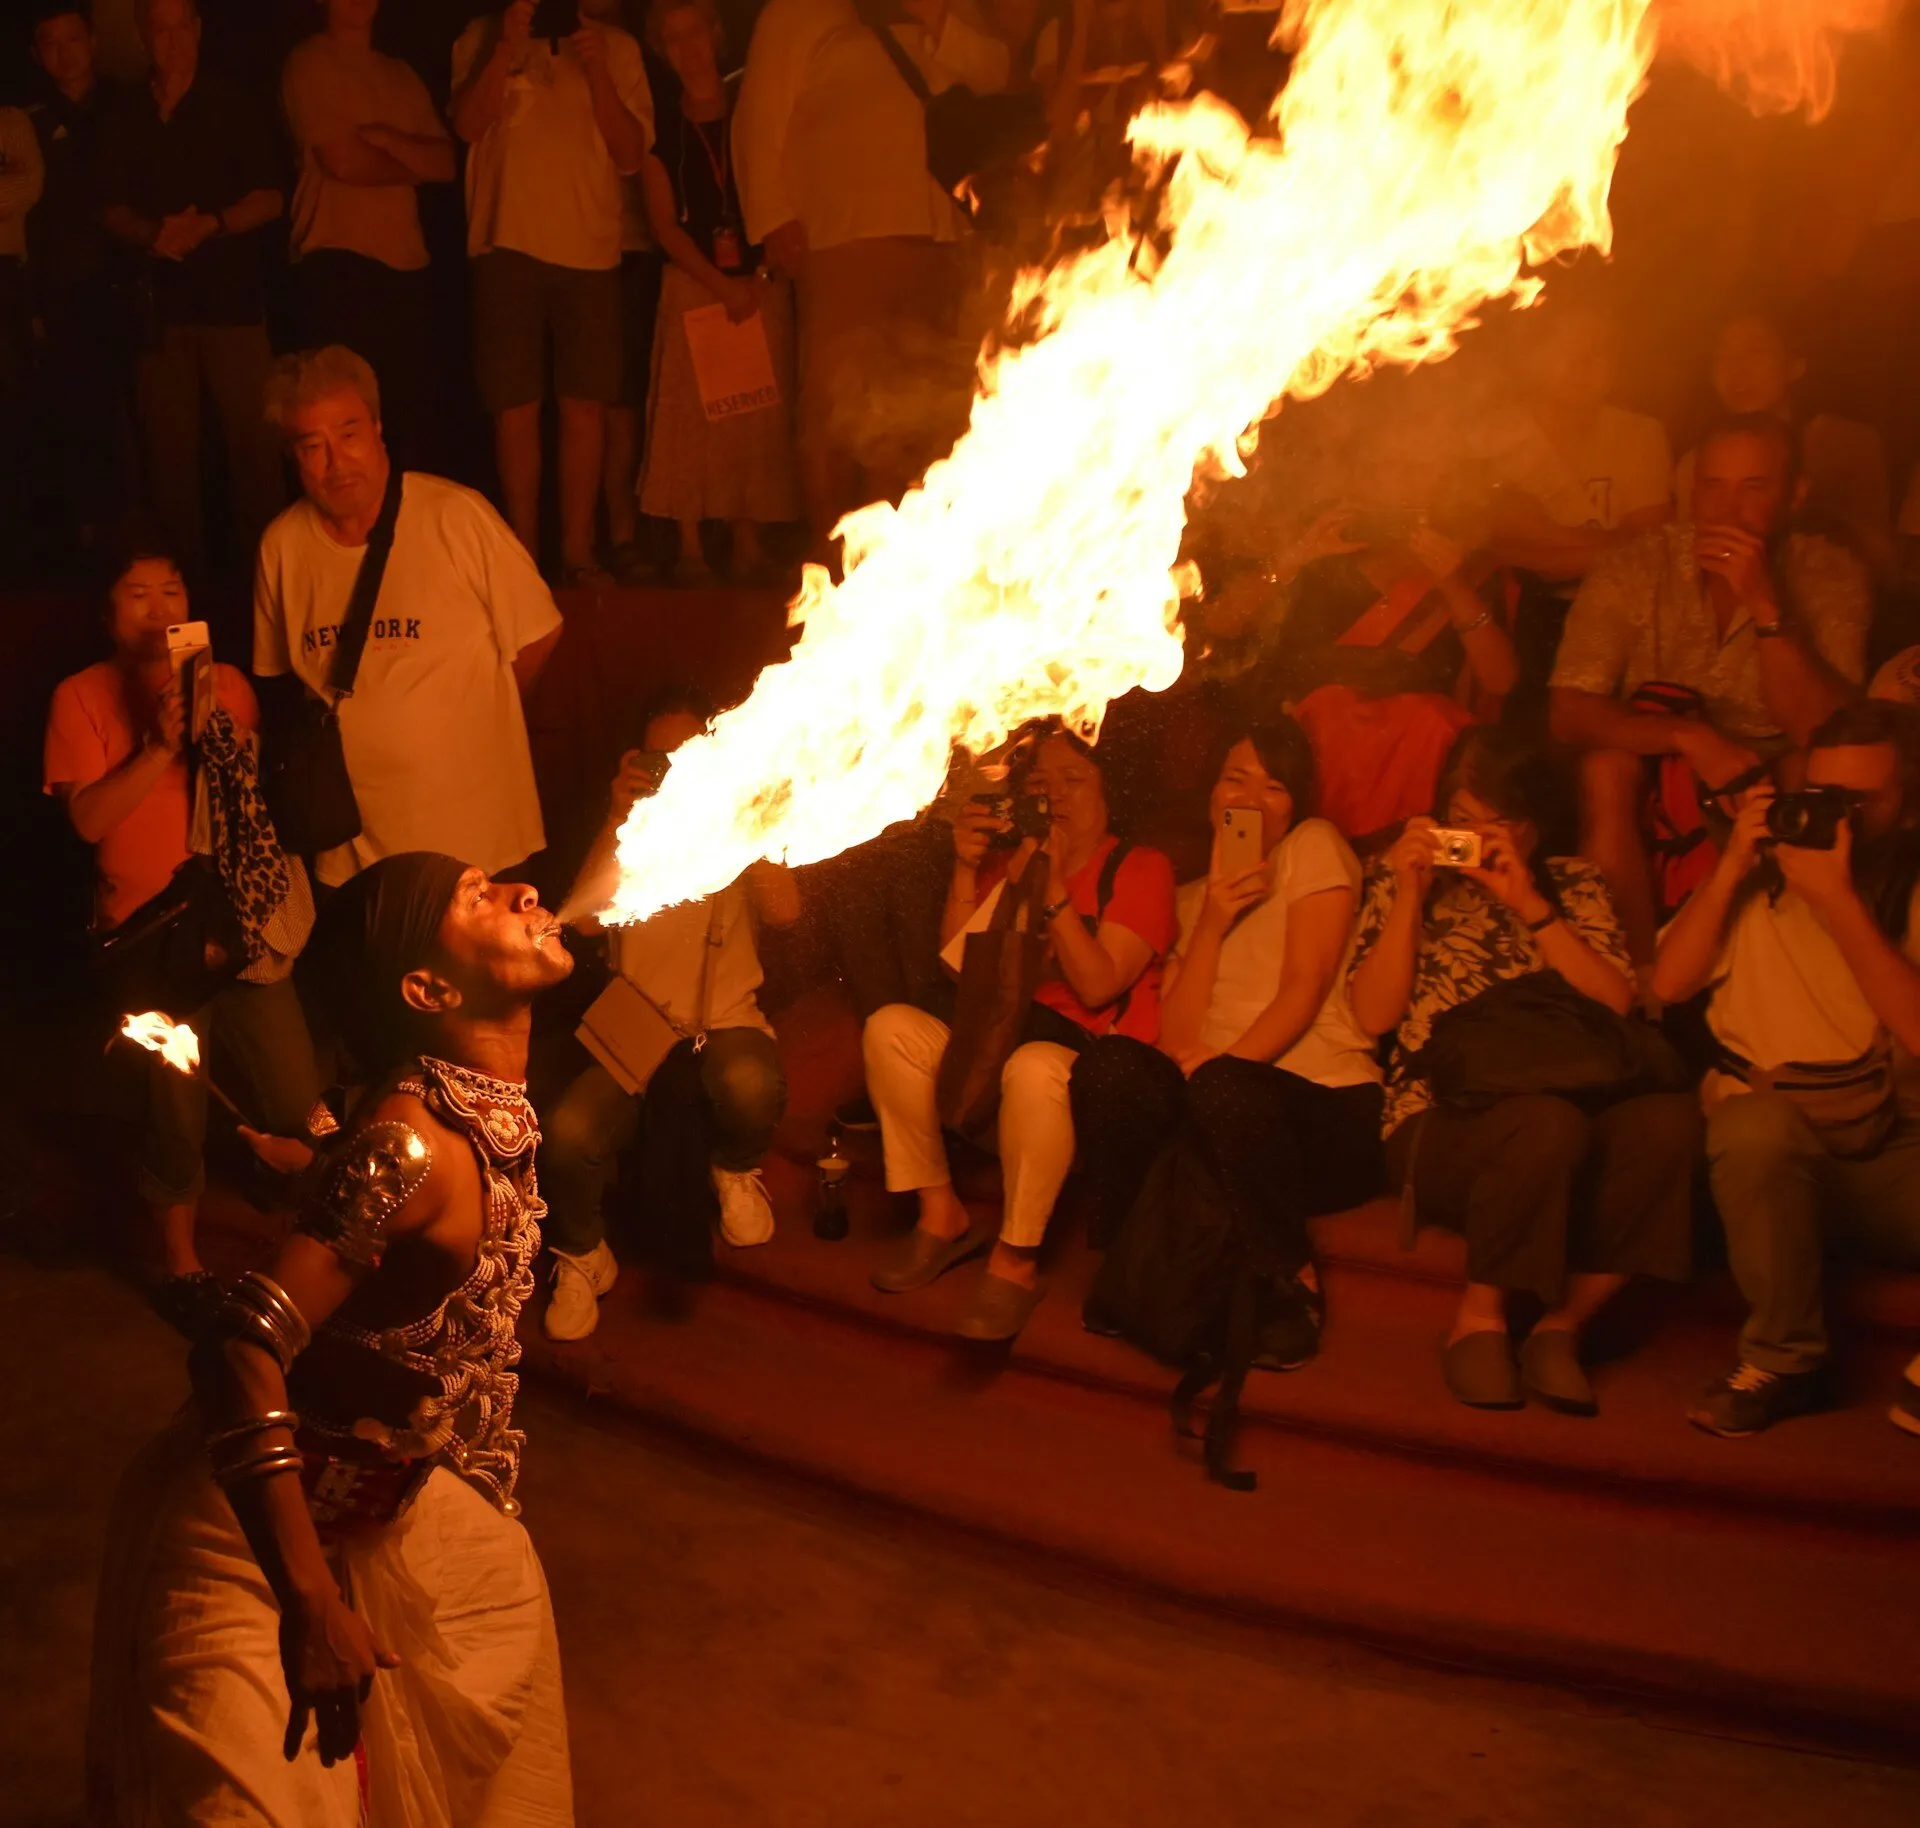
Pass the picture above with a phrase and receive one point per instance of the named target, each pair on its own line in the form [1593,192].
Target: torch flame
[174,1042]
[1422,154]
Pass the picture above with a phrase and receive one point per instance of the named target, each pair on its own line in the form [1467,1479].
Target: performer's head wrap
[381,925]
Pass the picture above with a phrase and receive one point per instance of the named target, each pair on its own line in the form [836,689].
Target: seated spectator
[1280,1084]
[553,127]
[189,178]
[713,1105]
[831,146]
[1810,957]
[368,136]
[1847,495]
[1109,921]
[82,325]
[1554,1203]
[116,755]
[433,731]
[738,467]
[1391,638]
[1577,474]
[1762,631]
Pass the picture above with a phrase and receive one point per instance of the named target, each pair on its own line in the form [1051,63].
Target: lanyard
[718,163]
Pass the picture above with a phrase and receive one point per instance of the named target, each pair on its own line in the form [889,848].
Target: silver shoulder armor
[370,1177]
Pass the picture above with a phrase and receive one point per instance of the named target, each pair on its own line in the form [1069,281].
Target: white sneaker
[746,1213]
[578,1284]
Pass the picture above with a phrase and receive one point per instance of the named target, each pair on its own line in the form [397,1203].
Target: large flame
[174,1042]
[1424,154]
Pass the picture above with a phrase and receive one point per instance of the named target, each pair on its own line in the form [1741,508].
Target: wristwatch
[1050,914]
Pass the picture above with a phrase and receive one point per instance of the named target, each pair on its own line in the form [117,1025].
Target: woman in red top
[116,755]
[1102,978]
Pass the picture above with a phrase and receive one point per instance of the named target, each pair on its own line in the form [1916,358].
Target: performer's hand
[283,1154]
[330,1660]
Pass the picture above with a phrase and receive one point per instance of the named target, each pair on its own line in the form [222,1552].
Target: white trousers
[189,1703]
[903,1047]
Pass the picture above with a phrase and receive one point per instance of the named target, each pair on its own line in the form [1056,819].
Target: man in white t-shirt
[554,125]
[1813,1117]
[367,135]
[712,1104]
[435,741]
[831,150]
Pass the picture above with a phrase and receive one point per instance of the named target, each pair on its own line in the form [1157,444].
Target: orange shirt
[90,732]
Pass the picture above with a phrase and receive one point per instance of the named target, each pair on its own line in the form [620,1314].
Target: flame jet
[1422,157]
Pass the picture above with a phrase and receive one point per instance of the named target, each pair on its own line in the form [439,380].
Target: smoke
[1775,56]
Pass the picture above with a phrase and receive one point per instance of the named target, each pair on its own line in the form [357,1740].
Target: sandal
[1481,1373]
[1551,1374]
[997,1309]
[920,1258]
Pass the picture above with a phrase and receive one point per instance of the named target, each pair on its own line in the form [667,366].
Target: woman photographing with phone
[117,744]
[1259,1052]
[1554,1203]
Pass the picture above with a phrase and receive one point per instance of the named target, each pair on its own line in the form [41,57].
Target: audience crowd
[1403,959]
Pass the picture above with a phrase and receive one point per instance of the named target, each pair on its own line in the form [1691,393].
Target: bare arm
[532,659]
[626,137]
[773,893]
[1489,649]
[1690,947]
[479,102]
[1529,540]
[1100,968]
[1888,979]
[255,210]
[125,223]
[422,158]
[1318,928]
[675,242]
[98,808]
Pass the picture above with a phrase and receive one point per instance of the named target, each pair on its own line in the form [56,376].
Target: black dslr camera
[554,20]
[1810,818]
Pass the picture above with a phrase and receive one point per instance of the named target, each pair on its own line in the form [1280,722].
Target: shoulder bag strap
[366,591]
[1109,875]
[909,70]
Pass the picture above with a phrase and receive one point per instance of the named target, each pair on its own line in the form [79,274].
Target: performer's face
[498,944]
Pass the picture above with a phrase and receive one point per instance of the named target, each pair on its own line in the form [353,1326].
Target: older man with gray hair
[427,688]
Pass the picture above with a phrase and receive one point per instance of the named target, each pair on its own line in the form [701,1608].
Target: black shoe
[1749,1399]
[857,1114]
[1290,1336]
[190,1303]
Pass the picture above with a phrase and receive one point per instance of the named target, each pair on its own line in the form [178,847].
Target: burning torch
[179,1047]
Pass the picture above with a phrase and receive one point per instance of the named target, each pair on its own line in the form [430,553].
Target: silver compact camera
[1457,847]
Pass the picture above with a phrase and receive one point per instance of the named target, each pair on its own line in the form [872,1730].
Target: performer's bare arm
[424,1246]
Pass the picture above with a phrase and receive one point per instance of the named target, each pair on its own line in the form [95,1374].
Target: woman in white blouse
[1259,1052]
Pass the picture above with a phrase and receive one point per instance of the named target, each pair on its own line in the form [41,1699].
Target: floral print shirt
[1469,943]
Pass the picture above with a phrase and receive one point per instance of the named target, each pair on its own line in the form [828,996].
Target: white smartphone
[185,639]
[1241,846]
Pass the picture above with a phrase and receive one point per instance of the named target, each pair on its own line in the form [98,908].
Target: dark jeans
[1540,1190]
[381,314]
[744,1094]
[1284,1148]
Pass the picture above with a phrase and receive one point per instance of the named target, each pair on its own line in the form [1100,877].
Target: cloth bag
[967,133]
[308,789]
[1536,1034]
[1000,970]
[176,950]
[630,1033]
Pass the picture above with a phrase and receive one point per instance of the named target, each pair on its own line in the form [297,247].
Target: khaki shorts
[520,305]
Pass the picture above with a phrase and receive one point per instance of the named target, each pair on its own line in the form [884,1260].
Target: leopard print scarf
[268,889]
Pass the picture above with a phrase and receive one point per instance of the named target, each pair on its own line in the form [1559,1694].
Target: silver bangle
[1479,621]
[257,1308]
[268,1465]
[253,1425]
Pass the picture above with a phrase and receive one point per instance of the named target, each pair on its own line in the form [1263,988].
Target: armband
[370,1177]
[234,1454]
[259,1310]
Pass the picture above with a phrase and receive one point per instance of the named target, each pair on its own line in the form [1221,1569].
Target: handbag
[1851,1105]
[630,1033]
[176,950]
[1000,970]
[309,791]
[968,133]
[1536,1034]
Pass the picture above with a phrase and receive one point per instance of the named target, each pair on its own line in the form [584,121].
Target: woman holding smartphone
[1259,1051]
[1554,1203]
[116,757]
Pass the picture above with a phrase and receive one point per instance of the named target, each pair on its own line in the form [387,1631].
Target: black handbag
[175,951]
[968,133]
[1537,1034]
[304,765]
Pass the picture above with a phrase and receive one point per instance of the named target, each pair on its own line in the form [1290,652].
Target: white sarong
[189,1705]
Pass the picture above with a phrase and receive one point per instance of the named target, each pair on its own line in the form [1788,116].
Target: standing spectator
[1767,636]
[21,177]
[554,125]
[435,740]
[368,136]
[82,328]
[1810,956]
[831,146]
[1553,1203]
[188,176]
[1756,368]
[116,757]
[738,468]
